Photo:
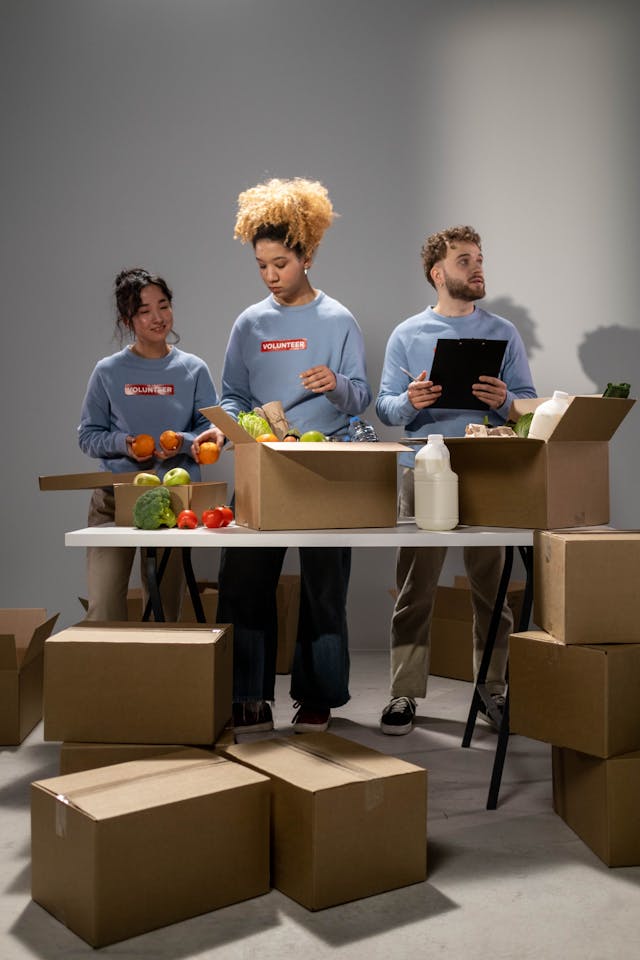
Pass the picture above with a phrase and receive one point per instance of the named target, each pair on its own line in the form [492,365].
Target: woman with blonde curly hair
[303,348]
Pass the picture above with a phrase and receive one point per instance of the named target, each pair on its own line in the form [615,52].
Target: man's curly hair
[435,246]
[295,212]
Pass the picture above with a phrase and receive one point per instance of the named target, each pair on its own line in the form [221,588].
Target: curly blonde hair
[435,246]
[295,212]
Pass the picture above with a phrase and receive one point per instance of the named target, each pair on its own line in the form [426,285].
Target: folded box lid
[587,418]
[105,792]
[22,635]
[84,481]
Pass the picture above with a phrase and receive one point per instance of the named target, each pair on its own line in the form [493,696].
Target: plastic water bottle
[546,416]
[436,486]
[360,429]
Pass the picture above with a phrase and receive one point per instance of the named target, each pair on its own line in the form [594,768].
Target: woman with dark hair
[303,348]
[148,386]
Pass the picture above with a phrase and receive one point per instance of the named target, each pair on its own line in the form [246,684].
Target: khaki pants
[109,569]
[417,574]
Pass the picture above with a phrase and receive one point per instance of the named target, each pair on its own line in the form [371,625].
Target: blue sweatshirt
[269,347]
[412,345]
[128,394]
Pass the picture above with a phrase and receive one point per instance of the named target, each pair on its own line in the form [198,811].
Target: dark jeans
[247,582]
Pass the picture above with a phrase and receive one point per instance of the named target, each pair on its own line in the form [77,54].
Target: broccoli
[153,509]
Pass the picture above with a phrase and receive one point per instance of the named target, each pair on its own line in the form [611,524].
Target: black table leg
[192,585]
[154,578]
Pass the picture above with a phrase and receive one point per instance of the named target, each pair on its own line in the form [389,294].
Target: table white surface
[402,535]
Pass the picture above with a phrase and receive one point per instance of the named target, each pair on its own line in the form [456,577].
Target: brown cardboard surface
[347,821]
[581,697]
[23,632]
[189,496]
[307,486]
[120,850]
[586,585]
[516,482]
[142,683]
[84,481]
[75,757]
[600,801]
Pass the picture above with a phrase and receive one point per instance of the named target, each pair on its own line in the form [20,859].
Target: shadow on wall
[519,316]
[611,355]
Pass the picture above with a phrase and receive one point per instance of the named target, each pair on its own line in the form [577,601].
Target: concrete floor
[510,883]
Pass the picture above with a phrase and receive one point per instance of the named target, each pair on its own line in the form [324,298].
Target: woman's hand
[423,393]
[491,391]
[212,434]
[318,379]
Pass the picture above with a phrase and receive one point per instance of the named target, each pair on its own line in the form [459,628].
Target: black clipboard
[457,365]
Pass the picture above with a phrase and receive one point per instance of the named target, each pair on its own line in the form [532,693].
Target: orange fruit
[143,445]
[169,440]
[208,452]
[267,438]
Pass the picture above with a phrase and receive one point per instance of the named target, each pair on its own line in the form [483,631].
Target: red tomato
[218,517]
[187,520]
[227,514]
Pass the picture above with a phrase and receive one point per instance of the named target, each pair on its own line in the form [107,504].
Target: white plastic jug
[436,486]
[547,415]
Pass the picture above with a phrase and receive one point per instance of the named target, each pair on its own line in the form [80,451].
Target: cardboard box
[23,632]
[600,801]
[585,698]
[310,486]
[586,585]
[143,683]
[125,849]
[84,481]
[564,482]
[347,821]
[188,496]
[75,757]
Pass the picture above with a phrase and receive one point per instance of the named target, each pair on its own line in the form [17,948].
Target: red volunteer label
[275,346]
[149,390]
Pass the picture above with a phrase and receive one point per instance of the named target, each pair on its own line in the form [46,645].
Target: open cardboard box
[197,496]
[310,486]
[121,850]
[563,482]
[23,632]
[138,683]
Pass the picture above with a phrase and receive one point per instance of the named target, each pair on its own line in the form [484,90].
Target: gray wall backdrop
[130,126]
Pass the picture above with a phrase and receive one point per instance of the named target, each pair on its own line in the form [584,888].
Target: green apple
[146,480]
[312,436]
[175,477]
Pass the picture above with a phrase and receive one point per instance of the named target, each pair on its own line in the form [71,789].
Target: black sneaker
[498,703]
[252,717]
[311,719]
[398,716]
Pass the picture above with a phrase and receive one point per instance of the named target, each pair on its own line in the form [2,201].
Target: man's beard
[460,290]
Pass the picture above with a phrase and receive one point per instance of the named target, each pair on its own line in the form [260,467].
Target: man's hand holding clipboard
[463,376]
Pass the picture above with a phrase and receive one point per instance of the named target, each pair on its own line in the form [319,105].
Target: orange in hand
[267,438]
[208,452]
[143,445]
[169,440]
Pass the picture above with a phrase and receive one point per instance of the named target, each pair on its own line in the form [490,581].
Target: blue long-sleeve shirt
[412,345]
[128,394]
[271,344]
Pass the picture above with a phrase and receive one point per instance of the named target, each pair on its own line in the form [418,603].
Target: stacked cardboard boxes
[576,683]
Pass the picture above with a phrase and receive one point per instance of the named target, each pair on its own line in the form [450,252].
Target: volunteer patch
[149,390]
[275,346]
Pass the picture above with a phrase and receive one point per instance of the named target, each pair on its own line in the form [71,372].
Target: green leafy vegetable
[617,390]
[253,424]
[522,424]
[153,510]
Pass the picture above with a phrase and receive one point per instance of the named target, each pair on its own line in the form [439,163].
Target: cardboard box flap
[230,427]
[18,628]
[105,792]
[318,761]
[84,481]
[588,418]
[108,632]
[40,634]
